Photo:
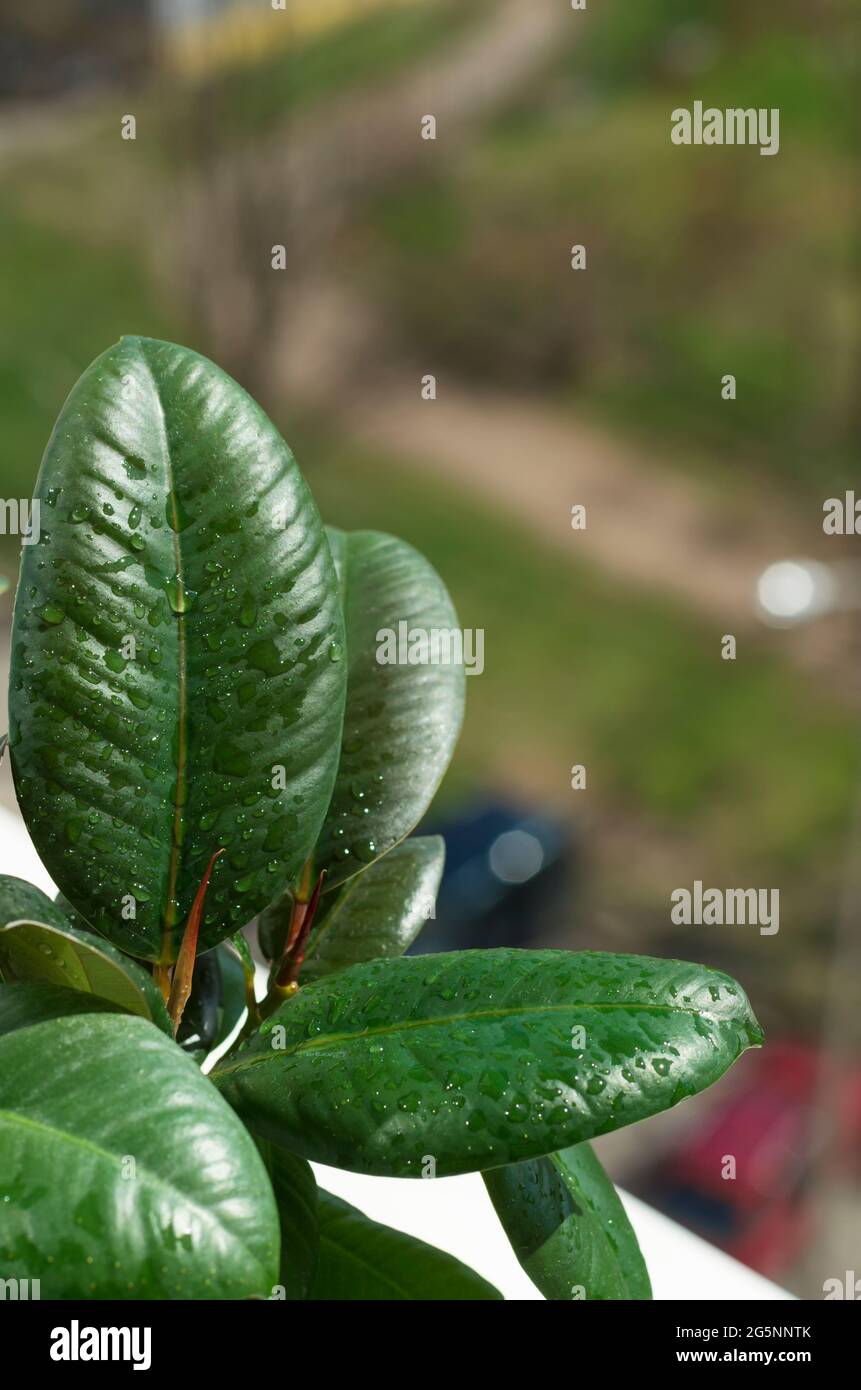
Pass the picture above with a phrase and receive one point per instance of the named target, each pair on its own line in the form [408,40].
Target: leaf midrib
[345,1251]
[169,912]
[406,1025]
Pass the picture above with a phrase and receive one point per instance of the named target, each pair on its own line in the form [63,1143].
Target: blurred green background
[257,127]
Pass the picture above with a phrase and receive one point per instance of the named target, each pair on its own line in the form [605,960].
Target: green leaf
[39,942]
[177,648]
[568,1227]
[233,988]
[362,1260]
[379,912]
[295,1189]
[201,1019]
[273,925]
[402,722]
[66,956]
[482,1058]
[239,947]
[71,913]
[215,1004]
[124,1174]
[24,1004]
[19,899]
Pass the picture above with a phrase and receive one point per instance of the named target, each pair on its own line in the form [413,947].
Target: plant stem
[161,973]
[285,978]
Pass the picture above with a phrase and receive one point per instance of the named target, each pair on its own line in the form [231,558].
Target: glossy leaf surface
[402,720]
[295,1189]
[41,941]
[24,1004]
[125,1175]
[273,924]
[19,899]
[483,1058]
[379,912]
[362,1259]
[71,913]
[568,1228]
[177,678]
[70,957]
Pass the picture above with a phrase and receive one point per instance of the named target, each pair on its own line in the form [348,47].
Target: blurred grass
[79,210]
[732,53]
[628,684]
[65,302]
[701,262]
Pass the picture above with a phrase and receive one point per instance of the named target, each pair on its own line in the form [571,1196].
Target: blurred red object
[743,1180]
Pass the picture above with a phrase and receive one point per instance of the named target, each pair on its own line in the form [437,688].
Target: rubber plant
[201,736]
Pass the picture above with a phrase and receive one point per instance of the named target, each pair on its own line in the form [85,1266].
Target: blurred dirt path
[332,152]
[646,524]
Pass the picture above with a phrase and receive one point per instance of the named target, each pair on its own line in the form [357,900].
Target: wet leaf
[44,947]
[402,720]
[24,1004]
[172,689]
[482,1058]
[295,1191]
[379,912]
[162,1195]
[362,1259]
[568,1228]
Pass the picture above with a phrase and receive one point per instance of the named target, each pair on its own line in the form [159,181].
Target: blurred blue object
[504,865]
